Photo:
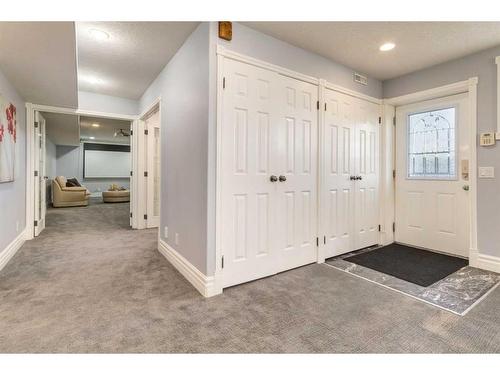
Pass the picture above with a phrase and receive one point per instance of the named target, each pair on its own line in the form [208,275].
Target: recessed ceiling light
[91,137]
[387,47]
[96,125]
[99,34]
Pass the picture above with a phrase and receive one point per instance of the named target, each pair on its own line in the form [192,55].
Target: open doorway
[80,161]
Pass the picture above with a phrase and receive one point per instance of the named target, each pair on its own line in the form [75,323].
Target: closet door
[338,173]
[367,174]
[298,173]
[249,139]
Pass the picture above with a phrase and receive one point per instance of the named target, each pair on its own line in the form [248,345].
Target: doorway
[432,181]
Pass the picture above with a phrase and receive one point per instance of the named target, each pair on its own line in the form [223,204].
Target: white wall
[105,103]
[483,66]
[69,163]
[12,194]
[183,87]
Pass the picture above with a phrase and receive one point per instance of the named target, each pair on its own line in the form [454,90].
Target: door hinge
[379,120]
[394,121]
[394,227]
[131,132]
[379,228]
[317,241]
[222,262]
[36,173]
[223,82]
[131,214]
[393,173]
[324,240]
[35,223]
[130,173]
[145,217]
[317,105]
[145,131]
[325,106]
[145,174]
[36,124]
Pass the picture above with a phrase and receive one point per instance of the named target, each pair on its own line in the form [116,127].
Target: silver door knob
[465,187]
[352,178]
[273,178]
[282,178]
[359,177]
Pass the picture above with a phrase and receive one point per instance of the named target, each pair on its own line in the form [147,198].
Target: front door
[432,174]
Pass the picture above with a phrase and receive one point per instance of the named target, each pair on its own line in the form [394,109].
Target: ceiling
[106,130]
[39,59]
[62,129]
[126,63]
[356,44]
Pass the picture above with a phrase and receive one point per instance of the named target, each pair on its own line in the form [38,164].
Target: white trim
[434,93]
[497,61]
[221,51]
[387,191]
[321,185]
[12,248]
[350,92]
[486,262]
[150,108]
[204,284]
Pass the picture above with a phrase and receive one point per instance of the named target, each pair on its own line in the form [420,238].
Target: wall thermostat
[487,139]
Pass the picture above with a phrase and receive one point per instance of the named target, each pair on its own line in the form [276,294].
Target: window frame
[407,125]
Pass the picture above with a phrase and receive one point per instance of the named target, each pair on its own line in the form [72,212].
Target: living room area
[87,163]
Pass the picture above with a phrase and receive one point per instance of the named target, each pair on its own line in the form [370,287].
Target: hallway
[90,284]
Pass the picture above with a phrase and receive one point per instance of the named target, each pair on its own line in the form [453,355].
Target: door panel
[432,209]
[40,180]
[153,158]
[297,195]
[248,148]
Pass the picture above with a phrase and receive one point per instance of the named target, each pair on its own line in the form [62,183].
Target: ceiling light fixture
[99,34]
[91,137]
[387,46]
[96,125]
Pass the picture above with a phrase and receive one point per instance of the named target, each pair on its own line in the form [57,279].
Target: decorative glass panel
[431,144]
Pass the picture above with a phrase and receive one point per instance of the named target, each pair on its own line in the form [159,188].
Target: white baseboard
[204,284]
[485,262]
[11,249]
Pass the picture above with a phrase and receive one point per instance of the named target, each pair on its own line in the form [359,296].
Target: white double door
[268,173]
[40,179]
[350,183]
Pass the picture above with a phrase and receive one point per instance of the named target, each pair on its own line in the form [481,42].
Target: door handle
[282,178]
[359,178]
[273,178]
[352,178]
[465,187]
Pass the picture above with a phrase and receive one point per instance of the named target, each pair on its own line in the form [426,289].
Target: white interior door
[40,177]
[367,161]
[351,172]
[153,157]
[296,155]
[268,173]
[249,138]
[432,147]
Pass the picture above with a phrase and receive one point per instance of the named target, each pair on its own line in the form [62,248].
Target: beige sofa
[63,196]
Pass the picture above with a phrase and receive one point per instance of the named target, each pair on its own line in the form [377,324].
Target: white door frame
[222,54]
[30,150]
[468,86]
[140,163]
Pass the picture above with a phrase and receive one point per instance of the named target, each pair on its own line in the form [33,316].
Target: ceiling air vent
[360,79]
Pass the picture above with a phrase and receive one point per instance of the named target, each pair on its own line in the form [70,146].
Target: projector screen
[106,164]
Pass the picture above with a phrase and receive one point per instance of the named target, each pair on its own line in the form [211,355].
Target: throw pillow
[71,182]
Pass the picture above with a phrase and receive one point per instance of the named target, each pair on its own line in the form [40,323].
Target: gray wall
[13,194]
[69,163]
[481,65]
[183,86]
[105,103]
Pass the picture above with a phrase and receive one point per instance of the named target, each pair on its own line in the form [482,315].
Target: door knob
[359,178]
[352,178]
[465,187]
[282,178]
[273,178]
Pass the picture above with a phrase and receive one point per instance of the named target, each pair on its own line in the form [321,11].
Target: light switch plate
[486,172]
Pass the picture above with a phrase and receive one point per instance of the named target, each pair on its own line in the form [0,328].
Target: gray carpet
[90,284]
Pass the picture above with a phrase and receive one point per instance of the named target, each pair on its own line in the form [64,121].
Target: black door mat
[414,265]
